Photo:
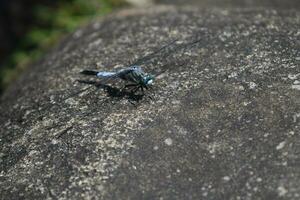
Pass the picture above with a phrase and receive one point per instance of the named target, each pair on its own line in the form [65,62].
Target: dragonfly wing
[129,70]
[154,54]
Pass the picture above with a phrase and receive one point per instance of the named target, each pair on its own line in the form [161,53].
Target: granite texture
[273,4]
[222,121]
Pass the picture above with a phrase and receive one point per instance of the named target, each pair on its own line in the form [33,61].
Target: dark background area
[16,18]
[28,28]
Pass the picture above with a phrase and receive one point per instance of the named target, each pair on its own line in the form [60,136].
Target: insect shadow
[115,92]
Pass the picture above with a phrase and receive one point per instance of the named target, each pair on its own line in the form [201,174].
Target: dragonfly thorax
[138,76]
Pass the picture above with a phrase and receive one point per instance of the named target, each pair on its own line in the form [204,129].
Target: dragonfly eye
[148,80]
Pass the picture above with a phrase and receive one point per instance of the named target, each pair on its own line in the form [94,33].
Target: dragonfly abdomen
[89,72]
[105,74]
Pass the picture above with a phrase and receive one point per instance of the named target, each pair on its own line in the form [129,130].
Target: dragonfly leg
[130,85]
[135,89]
[134,104]
[142,88]
[150,97]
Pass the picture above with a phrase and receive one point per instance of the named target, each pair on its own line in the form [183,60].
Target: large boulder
[275,4]
[221,121]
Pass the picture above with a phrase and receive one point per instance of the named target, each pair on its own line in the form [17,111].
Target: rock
[275,4]
[222,123]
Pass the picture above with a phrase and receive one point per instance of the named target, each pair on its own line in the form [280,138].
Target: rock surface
[223,121]
[275,4]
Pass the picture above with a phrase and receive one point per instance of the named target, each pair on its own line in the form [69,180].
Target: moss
[48,28]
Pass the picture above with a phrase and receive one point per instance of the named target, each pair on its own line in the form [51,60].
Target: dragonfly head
[148,80]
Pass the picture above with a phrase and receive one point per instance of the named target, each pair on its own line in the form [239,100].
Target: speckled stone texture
[275,4]
[223,121]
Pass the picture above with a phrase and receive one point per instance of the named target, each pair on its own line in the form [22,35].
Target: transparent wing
[152,55]
[134,68]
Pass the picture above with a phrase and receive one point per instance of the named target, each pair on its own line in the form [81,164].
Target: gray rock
[275,4]
[223,121]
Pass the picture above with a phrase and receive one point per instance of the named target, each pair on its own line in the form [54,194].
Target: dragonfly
[132,70]
[134,75]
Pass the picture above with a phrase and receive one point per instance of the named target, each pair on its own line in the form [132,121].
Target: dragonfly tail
[89,72]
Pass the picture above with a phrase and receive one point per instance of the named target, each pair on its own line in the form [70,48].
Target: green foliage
[50,24]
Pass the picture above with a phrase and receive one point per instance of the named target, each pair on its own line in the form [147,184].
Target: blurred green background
[29,28]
